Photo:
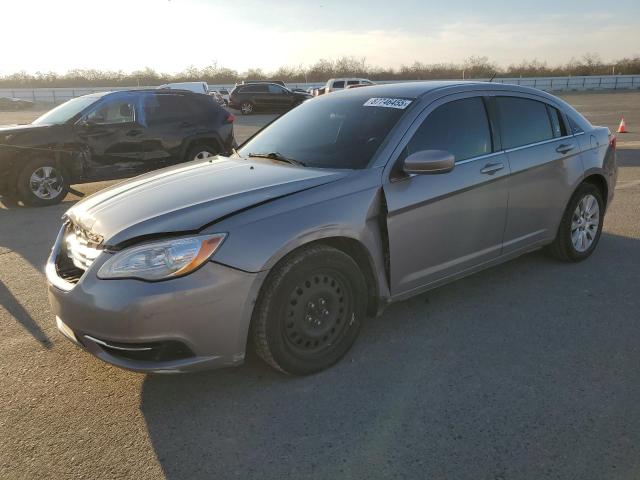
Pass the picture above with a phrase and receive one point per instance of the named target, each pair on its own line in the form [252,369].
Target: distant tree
[322,70]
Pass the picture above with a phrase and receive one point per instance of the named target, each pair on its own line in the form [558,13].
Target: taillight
[230,118]
[612,141]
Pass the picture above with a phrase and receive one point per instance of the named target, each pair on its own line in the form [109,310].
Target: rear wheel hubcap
[585,223]
[203,155]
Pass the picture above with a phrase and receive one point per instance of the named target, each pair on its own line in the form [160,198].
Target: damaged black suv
[107,136]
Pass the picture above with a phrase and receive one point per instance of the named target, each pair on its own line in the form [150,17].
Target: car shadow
[16,248]
[520,370]
[11,304]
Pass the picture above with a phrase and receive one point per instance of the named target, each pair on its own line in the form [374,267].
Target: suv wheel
[41,182]
[310,311]
[581,225]
[246,108]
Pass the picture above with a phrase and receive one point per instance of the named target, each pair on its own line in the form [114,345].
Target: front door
[110,135]
[440,225]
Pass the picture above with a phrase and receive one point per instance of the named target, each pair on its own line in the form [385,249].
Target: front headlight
[162,260]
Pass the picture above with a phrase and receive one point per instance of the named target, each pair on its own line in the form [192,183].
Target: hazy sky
[169,35]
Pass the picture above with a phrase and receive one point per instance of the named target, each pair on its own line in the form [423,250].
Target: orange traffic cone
[623,126]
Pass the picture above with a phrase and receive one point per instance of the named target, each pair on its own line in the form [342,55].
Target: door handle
[564,148]
[134,133]
[491,168]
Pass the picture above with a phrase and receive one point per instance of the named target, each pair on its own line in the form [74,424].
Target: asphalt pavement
[526,370]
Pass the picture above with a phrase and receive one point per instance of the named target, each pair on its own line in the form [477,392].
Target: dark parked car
[251,97]
[105,136]
[340,207]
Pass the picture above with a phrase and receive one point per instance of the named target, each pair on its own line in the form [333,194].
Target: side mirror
[429,161]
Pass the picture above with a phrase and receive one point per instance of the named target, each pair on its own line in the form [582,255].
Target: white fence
[555,84]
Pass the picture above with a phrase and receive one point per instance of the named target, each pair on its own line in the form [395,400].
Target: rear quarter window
[557,122]
[523,121]
[575,128]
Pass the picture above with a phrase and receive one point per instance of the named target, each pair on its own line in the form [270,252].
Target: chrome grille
[81,248]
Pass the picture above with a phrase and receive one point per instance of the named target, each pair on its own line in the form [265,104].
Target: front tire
[41,182]
[309,312]
[581,225]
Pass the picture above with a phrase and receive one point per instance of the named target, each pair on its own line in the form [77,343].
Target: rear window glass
[459,127]
[255,89]
[353,82]
[159,109]
[328,132]
[523,121]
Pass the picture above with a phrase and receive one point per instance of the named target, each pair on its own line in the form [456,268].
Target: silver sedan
[345,204]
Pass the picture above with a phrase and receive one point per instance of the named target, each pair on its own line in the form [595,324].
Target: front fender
[260,237]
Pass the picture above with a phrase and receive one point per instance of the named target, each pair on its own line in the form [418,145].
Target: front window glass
[65,112]
[339,84]
[459,127]
[328,132]
[114,111]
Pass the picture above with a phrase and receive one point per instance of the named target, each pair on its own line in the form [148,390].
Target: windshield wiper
[279,157]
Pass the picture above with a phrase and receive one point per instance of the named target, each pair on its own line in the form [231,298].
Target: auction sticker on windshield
[400,103]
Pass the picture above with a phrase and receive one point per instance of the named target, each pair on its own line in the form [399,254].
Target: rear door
[259,95]
[279,98]
[543,157]
[168,120]
[443,224]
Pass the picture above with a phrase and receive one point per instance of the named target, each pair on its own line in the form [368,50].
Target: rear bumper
[195,322]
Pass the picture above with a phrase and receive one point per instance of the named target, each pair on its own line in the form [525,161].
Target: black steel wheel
[310,310]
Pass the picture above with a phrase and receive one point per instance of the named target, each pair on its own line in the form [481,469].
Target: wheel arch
[211,140]
[356,250]
[599,182]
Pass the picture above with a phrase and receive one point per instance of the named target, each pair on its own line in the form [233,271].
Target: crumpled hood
[187,197]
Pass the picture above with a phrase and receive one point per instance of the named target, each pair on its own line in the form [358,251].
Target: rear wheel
[310,311]
[201,152]
[246,108]
[41,182]
[581,225]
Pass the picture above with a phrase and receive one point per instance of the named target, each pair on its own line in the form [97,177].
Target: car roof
[157,91]
[419,89]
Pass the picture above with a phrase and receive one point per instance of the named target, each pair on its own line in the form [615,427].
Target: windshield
[336,131]
[63,113]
